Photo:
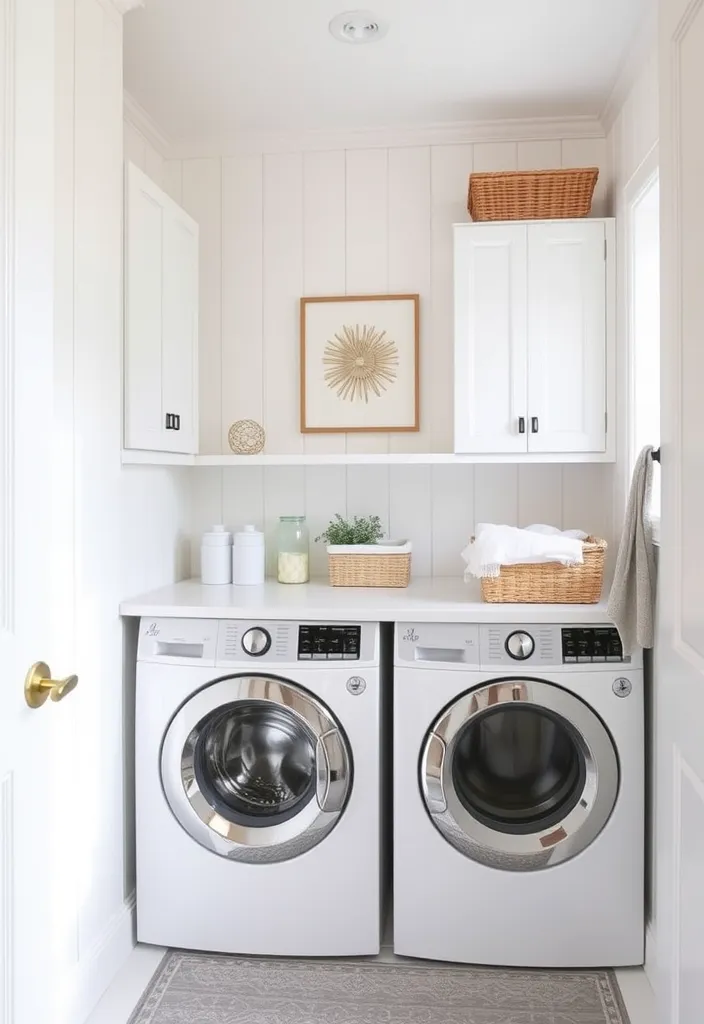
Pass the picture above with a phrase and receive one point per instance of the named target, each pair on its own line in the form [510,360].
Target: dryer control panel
[513,647]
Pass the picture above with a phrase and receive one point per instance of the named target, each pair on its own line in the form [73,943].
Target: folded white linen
[494,546]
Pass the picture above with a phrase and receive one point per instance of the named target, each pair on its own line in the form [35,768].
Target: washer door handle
[434,763]
[331,772]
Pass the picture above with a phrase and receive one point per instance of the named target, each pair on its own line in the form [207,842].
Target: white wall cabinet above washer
[534,338]
[161,320]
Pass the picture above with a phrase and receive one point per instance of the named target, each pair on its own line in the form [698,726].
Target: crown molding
[450,133]
[125,6]
[644,45]
[144,123]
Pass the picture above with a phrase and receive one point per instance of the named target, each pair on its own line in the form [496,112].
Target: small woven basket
[550,582]
[369,569]
[531,195]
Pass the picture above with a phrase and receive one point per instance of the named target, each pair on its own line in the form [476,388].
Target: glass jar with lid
[292,545]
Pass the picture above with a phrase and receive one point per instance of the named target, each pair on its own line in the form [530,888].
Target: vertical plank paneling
[496,495]
[206,507]
[409,269]
[587,499]
[592,153]
[326,494]
[243,497]
[367,245]
[242,254]
[282,289]
[202,199]
[452,489]
[172,179]
[540,495]
[324,247]
[538,155]
[368,493]
[495,156]
[284,495]
[449,172]
[411,513]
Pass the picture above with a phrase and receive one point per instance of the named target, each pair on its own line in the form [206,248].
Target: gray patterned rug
[191,988]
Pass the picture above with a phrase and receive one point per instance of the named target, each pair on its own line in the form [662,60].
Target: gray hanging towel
[632,598]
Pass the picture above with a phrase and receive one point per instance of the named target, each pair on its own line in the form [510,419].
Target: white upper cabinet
[491,330]
[161,320]
[567,336]
[534,340]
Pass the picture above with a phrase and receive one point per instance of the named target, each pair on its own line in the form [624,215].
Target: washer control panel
[329,643]
[582,644]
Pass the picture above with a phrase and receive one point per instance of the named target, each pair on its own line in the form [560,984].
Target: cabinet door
[144,422]
[490,338]
[180,330]
[567,336]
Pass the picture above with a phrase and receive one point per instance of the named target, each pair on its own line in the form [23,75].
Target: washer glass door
[519,774]
[255,768]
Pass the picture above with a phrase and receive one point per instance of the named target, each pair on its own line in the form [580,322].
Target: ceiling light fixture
[358,27]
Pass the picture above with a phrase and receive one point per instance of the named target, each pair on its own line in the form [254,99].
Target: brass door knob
[39,685]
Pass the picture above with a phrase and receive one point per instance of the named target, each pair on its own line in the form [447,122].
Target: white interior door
[679,665]
[490,338]
[567,336]
[35,899]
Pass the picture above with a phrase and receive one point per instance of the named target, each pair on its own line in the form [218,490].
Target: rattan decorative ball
[246,437]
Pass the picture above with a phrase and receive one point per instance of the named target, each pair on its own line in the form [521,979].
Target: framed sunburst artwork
[359,363]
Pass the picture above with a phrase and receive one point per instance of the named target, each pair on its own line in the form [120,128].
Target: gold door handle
[39,685]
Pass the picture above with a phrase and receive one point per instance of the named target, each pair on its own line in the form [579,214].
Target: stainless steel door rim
[529,847]
[233,835]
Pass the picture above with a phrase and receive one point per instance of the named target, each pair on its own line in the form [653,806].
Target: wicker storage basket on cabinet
[550,582]
[531,195]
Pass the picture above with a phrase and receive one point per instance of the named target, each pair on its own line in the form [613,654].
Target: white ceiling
[209,69]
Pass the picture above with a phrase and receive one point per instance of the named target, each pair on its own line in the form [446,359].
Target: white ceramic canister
[248,557]
[216,557]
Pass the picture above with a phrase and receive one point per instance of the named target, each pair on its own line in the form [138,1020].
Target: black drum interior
[255,763]
[518,768]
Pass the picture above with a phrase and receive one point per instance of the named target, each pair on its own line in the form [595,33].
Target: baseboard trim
[97,969]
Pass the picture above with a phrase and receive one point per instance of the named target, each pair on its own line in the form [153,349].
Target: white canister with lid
[248,557]
[216,557]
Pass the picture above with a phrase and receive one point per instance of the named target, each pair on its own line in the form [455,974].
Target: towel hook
[655,455]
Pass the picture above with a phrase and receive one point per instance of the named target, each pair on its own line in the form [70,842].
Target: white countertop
[440,599]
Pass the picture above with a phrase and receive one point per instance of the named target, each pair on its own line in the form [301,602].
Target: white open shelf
[143,458]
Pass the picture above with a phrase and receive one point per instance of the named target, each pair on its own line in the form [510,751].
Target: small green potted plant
[359,557]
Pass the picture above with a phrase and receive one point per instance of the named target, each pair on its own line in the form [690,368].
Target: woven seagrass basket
[388,567]
[550,582]
[531,195]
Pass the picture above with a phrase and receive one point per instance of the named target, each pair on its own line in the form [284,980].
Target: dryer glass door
[519,774]
[255,768]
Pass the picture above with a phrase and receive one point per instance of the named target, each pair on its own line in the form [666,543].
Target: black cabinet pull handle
[169,421]
[521,424]
[534,424]
[177,421]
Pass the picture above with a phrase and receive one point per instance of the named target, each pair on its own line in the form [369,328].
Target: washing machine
[258,786]
[518,795]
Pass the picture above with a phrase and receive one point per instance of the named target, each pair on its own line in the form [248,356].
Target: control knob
[520,645]
[256,641]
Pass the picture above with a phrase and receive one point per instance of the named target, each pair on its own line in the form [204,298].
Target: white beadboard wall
[435,507]
[278,226]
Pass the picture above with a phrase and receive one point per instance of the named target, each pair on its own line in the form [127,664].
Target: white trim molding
[144,123]
[100,964]
[447,133]
[443,133]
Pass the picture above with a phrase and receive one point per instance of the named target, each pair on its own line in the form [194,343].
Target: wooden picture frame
[335,397]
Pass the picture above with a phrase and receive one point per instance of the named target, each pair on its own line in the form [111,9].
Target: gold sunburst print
[361,361]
